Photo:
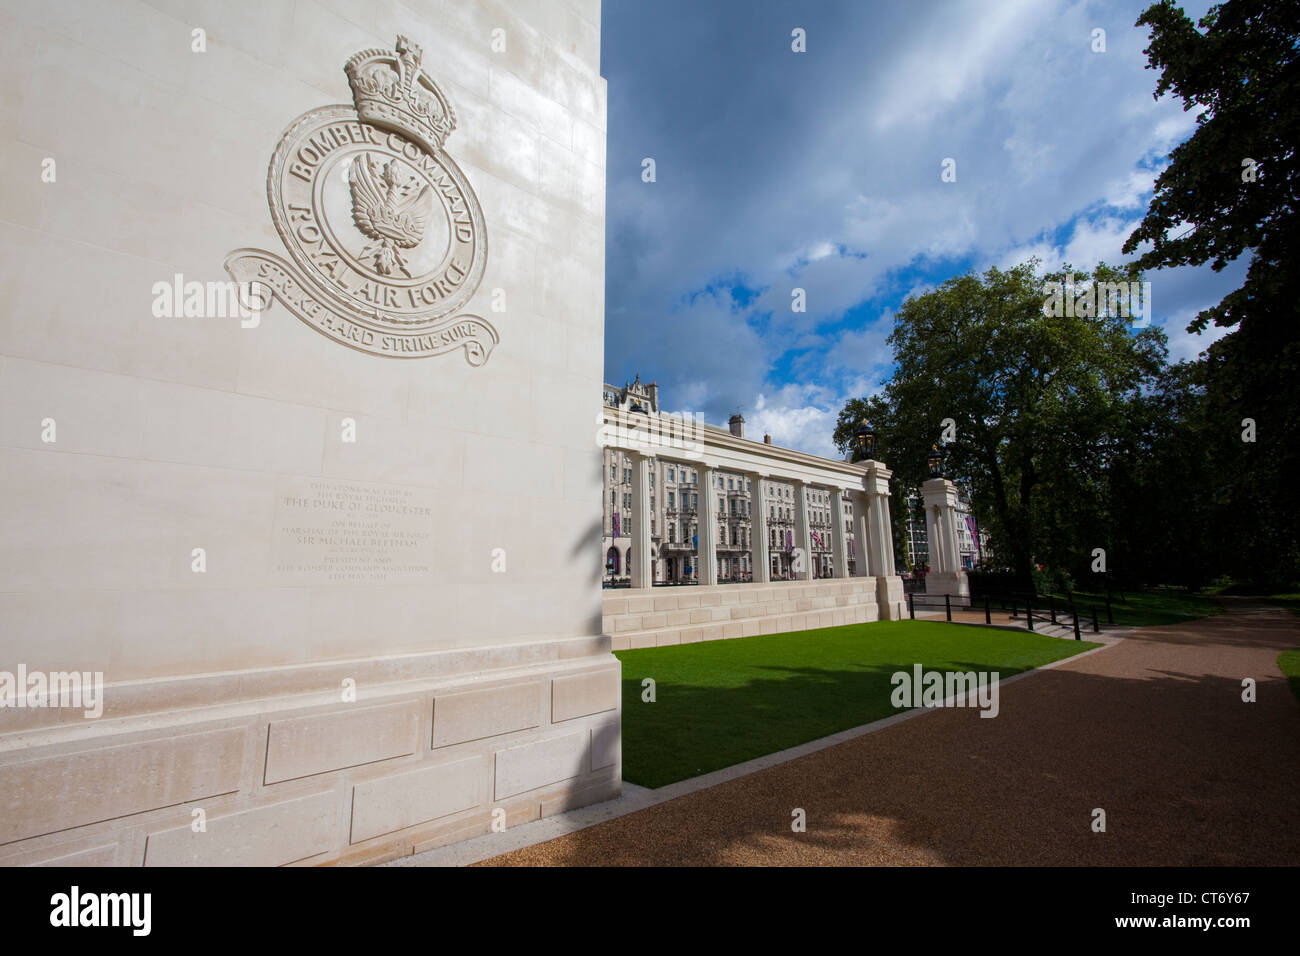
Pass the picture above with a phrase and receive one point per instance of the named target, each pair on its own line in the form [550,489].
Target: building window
[671,503]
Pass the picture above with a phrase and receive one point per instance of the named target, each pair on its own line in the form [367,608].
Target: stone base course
[416,761]
[656,617]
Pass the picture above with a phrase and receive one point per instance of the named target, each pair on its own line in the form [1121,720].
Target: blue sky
[778,170]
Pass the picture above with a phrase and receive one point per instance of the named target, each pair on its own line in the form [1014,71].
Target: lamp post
[934,462]
[864,442]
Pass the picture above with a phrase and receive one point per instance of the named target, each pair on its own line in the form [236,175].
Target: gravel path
[1152,730]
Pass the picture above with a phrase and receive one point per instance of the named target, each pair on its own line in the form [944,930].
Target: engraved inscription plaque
[331,531]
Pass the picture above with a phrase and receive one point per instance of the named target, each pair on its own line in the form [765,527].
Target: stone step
[749,627]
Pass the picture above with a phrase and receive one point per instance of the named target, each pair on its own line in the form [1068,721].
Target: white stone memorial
[939,497]
[302,325]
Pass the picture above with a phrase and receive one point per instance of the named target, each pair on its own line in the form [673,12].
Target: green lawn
[1288,661]
[1150,607]
[720,703]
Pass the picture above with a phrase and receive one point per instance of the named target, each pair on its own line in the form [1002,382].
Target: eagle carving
[389,207]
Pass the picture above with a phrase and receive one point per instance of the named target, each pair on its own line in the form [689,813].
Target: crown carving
[389,90]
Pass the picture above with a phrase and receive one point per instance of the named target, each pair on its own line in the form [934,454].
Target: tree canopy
[1037,403]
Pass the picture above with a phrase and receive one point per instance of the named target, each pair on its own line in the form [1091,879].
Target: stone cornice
[675,438]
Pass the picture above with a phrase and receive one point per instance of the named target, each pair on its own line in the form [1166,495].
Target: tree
[1035,399]
[1233,185]
[1232,189]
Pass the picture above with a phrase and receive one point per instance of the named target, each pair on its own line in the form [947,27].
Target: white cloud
[1184,345]
[822,172]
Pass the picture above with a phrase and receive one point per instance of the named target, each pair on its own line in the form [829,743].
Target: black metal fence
[1031,606]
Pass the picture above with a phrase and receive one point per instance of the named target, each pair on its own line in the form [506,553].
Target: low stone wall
[286,771]
[682,615]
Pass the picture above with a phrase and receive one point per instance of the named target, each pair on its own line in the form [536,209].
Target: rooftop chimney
[737,424]
[767,439]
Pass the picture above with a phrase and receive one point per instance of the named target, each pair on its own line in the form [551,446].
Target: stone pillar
[707,547]
[760,556]
[802,535]
[889,586]
[887,537]
[862,534]
[839,540]
[931,538]
[946,577]
[642,569]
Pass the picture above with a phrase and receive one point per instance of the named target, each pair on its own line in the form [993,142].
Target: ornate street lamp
[934,460]
[864,442]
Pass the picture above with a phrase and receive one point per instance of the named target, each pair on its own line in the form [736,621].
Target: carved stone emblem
[385,236]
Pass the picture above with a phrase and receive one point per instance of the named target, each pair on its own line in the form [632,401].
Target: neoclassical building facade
[972,540]
[674,506]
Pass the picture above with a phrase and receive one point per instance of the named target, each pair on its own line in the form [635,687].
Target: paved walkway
[1152,730]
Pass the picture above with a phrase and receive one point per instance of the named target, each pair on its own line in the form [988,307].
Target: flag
[616,522]
[975,536]
[817,539]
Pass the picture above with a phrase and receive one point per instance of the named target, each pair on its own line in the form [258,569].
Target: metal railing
[1034,607]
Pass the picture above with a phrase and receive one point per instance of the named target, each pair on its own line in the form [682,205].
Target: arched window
[611,561]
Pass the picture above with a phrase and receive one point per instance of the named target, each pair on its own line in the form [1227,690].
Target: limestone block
[475,714]
[95,856]
[605,746]
[303,746]
[579,695]
[70,790]
[406,799]
[263,836]
[597,792]
[530,766]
